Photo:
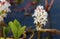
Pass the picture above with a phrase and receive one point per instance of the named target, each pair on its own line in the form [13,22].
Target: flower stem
[38,34]
[16,38]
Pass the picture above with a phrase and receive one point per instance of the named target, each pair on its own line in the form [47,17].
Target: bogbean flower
[4,9]
[40,16]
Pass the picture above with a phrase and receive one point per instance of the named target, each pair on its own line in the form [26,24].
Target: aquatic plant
[16,28]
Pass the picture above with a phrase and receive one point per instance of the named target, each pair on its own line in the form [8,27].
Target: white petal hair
[4,8]
[40,15]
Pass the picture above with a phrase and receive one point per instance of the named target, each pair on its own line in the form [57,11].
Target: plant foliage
[6,31]
[16,28]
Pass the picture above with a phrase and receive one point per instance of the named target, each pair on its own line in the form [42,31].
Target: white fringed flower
[40,15]
[4,8]
[4,5]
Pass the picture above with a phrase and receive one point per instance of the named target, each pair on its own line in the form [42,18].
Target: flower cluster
[4,8]
[40,15]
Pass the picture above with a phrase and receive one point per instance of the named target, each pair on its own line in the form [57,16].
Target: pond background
[28,21]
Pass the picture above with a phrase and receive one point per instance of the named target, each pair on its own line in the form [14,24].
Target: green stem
[4,37]
[16,37]
[4,34]
[38,34]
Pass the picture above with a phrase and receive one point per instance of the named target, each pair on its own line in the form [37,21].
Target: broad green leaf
[16,28]
[21,30]
[17,24]
[13,28]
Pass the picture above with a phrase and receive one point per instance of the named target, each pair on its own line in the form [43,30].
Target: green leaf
[21,30]
[6,31]
[16,28]
[17,24]
[13,28]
